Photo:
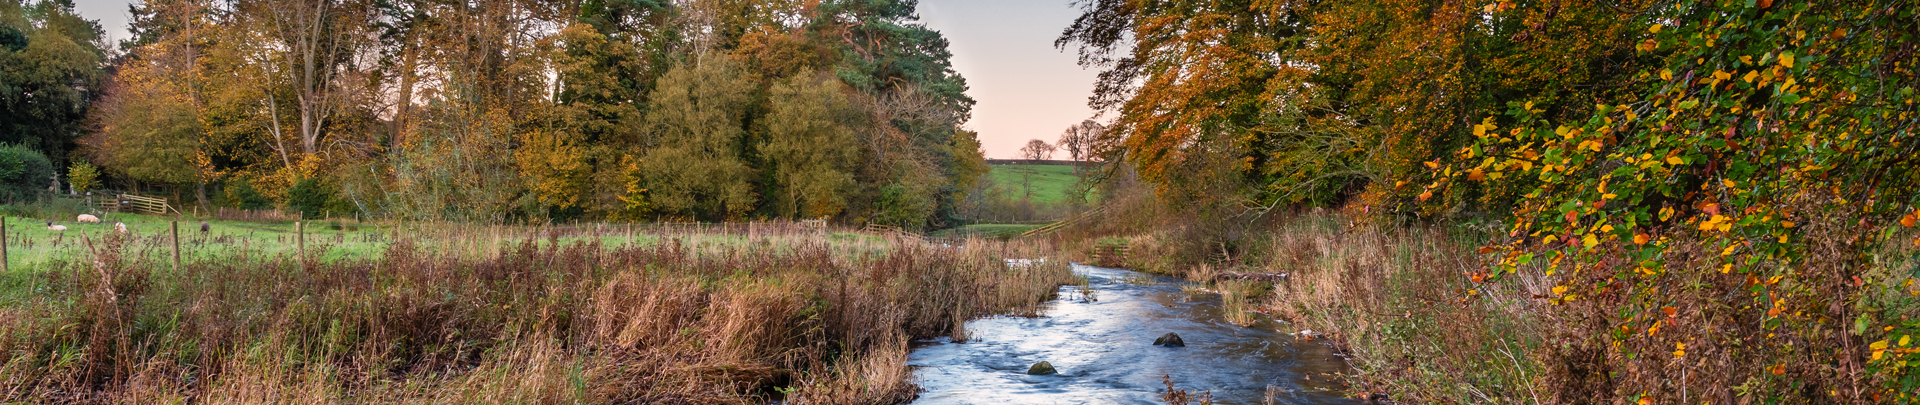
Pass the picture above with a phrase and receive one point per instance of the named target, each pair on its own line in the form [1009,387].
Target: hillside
[1045,183]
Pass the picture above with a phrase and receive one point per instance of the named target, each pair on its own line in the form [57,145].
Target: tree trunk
[200,192]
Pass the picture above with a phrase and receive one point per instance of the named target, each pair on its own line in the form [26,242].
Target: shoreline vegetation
[1414,311]
[466,314]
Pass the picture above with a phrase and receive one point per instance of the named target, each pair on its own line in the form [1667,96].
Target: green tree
[50,59]
[83,176]
[694,168]
[810,146]
[24,173]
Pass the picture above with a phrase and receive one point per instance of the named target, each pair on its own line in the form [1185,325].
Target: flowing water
[1103,349]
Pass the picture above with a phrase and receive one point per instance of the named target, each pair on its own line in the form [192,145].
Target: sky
[1026,89]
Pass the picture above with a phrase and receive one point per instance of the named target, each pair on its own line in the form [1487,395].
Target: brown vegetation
[720,319]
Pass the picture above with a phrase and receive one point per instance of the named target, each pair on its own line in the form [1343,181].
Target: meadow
[438,313]
[1041,183]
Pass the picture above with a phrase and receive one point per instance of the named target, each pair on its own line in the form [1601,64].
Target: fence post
[176,245]
[3,244]
[300,242]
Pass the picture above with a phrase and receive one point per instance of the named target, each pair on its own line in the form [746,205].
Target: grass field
[1050,183]
[30,245]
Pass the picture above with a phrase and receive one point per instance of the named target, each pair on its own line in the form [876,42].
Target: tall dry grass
[1401,302]
[515,316]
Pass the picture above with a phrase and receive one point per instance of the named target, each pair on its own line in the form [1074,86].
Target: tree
[694,168]
[51,62]
[1037,150]
[810,146]
[317,42]
[1078,140]
[82,176]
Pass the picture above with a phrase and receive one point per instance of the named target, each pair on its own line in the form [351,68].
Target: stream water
[1103,349]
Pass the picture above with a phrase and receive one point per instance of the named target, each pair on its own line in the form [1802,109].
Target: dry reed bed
[503,317]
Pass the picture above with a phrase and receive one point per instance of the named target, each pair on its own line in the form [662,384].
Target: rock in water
[1041,368]
[1170,340]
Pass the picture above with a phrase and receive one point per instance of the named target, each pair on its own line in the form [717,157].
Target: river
[1103,349]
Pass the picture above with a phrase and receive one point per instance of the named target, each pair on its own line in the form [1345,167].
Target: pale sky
[1026,89]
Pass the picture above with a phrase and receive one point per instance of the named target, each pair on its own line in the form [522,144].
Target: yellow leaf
[1907,221]
[1729,250]
[1424,196]
[1666,75]
[1880,345]
[1786,59]
[1559,290]
[1750,76]
[1726,268]
[1606,228]
[1549,239]
[1728,183]
[1675,160]
[1480,131]
[1787,224]
[1726,226]
[1433,165]
[1590,241]
[1904,340]
[1639,239]
[1654,29]
[1666,213]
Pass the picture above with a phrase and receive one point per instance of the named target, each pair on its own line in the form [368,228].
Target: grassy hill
[1049,183]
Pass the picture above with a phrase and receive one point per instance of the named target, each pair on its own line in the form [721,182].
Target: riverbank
[525,317]
[1426,319]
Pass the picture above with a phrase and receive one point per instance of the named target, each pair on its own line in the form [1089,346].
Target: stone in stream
[1170,340]
[1041,368]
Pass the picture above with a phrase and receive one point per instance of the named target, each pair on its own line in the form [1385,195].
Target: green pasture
[1048,183]
[31,246]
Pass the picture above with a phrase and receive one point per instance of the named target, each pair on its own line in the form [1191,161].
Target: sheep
[204,227]
[89,219]
[120,227]
[56,228]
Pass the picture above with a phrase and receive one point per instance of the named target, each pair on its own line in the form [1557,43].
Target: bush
[241,194]
[24,173]
[310,197]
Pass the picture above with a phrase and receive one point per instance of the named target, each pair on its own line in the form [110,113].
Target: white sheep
[120,227]
[56,228]
[89,219]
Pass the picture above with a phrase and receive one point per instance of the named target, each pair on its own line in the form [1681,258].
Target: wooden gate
[145,205]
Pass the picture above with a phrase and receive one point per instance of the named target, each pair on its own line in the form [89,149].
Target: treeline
[530,109]
[1748,166]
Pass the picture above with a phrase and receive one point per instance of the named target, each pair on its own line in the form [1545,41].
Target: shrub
[24,173]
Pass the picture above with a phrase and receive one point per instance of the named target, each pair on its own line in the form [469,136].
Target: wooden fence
[143,205]
[236,214]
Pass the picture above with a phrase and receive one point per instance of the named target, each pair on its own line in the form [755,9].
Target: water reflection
[1105,354]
